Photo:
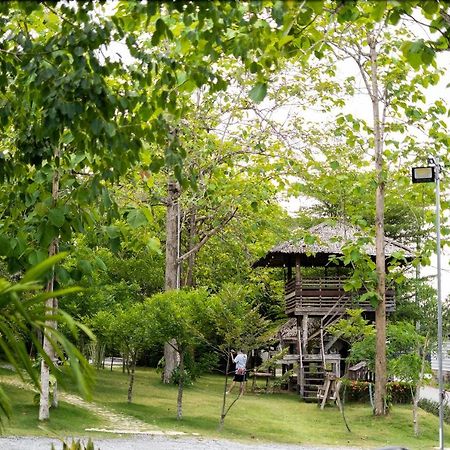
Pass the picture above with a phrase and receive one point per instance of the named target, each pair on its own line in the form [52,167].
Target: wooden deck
[316,296]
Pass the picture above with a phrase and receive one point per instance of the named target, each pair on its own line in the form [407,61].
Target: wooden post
[298,276]
[305,334]
[301,370]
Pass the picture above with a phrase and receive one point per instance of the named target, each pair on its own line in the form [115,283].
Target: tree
[237,324]
[134,329]
[382,71]
[180,320]
[72,121]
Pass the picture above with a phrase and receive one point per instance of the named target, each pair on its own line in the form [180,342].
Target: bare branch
[206,237]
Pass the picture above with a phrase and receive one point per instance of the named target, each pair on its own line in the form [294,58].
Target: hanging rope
[342,408]
[371,396]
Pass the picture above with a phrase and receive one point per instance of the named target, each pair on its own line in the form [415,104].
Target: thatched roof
[328,240]
[288,331]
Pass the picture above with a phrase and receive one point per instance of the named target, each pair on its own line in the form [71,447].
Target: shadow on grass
[153,416]
[65,417]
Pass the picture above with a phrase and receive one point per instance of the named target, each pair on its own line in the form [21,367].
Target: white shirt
[240,360]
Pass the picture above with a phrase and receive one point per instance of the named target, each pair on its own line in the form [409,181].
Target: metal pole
[439,304]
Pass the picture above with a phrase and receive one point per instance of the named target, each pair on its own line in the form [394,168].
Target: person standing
[240,371]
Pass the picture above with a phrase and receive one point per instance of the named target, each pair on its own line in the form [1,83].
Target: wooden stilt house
[315,298]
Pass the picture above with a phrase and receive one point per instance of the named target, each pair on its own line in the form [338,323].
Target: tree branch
[206,237]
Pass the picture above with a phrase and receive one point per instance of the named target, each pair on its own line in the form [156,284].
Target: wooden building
[315,298]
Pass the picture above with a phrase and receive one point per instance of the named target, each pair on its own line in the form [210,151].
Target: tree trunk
[380,312]
[191,259]
[44,402]
[50,304]
[416,397]
[130,386]
[180,387]
[55,384]
[172,254]
[224,397]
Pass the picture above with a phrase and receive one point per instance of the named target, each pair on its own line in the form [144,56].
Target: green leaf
[153,245]
[334,165]
[96,126]
[62,275]
[258,92]
[40,269]
[378,10]
[85,266]
[67,137]
[136,218]
[115,244]
[112,231]
[428,55]
[100,264]
[56,217]
[316,6]
[36,257]
[5,246]
[156,164]
[110,129]
[430,7]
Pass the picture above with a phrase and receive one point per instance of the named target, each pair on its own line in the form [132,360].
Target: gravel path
[154,443]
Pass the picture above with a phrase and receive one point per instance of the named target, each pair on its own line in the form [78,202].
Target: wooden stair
[314,376]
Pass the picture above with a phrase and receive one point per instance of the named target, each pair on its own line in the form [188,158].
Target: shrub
[77,445]
[433,407]
[359,391]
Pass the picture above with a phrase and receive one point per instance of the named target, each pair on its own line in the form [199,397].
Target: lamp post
[427,175]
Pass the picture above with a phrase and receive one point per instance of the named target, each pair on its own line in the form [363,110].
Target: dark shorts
[239,378]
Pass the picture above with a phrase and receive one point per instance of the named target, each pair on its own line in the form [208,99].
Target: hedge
[358,391]
[432,407]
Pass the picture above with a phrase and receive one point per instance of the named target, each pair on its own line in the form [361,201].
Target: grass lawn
[262,417]
[68,420]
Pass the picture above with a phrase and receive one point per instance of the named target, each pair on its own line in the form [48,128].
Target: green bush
[399,392]
[358,391]
[433,407]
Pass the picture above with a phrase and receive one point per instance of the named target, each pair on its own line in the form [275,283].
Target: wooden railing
[318,295]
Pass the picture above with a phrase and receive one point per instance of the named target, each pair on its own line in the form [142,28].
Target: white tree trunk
[171,280]
[50,305]
[380,312]
[44,401]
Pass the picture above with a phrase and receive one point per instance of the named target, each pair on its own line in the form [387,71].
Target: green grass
[262,417]
[67,420]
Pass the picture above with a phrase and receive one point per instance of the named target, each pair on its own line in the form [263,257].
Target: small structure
[315,298]
[360,372]
[329,391]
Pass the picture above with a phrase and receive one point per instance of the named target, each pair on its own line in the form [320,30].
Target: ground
[154,443]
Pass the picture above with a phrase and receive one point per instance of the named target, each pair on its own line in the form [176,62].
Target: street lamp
[427,175]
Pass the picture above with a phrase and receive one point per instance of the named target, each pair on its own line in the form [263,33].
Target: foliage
[77,445]
[399,392]
[403,340]
[432,407]
[20,319]
[353,328]
[237,322]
